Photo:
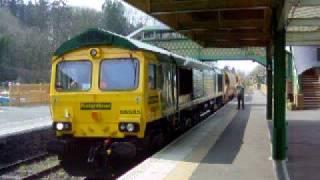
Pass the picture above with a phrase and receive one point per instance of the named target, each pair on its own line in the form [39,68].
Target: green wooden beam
[279,125]
[310,3]
[303,43]
[303,36]
[304,21]
[269,83]
[284,7]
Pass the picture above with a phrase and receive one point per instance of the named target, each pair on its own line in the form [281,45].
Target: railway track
[43,173]
[9,167]
[35,167]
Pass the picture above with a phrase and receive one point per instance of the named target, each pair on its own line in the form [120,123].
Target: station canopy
[237,23]
[171,40]
[303,22]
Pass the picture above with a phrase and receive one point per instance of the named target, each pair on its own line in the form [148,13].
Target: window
[220,82]
[152,76]
[149,35]
[119,74]
[185,81]
[73,76]
[160,77]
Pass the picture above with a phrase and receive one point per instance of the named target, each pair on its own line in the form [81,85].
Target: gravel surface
[29,169]
[61,174]
[25,170]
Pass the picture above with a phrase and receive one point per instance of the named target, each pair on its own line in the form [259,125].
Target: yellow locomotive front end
[97,92]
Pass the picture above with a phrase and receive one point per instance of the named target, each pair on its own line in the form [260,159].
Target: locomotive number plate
[95,106]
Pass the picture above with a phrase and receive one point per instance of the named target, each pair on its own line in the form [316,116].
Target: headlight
[93,52]
[62,126]
[129,127]
[59,126]
[122,127]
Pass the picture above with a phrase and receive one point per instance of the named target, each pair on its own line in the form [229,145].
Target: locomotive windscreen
[119,74]
[73,75]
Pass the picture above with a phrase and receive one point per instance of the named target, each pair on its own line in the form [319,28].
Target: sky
[94,4]
[245,66]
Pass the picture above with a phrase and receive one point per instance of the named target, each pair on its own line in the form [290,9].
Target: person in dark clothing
[240,95]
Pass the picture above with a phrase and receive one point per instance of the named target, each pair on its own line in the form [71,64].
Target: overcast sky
[94,4]
[244,66]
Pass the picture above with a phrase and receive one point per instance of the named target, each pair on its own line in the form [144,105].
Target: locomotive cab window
[119,74]
[152,81]
[73,76]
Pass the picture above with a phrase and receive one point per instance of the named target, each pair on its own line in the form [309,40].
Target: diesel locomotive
[114,97]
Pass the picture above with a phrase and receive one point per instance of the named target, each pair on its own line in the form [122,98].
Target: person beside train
[240,95]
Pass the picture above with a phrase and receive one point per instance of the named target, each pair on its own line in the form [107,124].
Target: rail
[15,170]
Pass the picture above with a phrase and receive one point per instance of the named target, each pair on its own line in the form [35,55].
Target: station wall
[306,57]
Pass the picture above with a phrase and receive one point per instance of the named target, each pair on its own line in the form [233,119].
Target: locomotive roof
[96,37]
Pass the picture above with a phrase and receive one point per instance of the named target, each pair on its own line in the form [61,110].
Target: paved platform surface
[304,144]
[19,119]
[229,145]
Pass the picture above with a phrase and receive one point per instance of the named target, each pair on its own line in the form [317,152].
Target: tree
[29,33]
[13,7]
[42,14]
[59,25]
[114,19]
[258,74]
[3,47]
[83,19]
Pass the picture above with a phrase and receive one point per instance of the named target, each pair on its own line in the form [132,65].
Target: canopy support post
[279,124]
[269,82]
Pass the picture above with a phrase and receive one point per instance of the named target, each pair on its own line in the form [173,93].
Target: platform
[20,119]
[231,144]
[303,144]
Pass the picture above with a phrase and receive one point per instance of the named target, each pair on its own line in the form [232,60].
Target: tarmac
[15,120]
[231,144]
[304,144]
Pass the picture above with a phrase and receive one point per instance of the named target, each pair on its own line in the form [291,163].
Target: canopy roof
[171,40]
[237,23]
[215,23]
[303,22]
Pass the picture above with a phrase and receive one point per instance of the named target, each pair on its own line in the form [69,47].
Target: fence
[28,94]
